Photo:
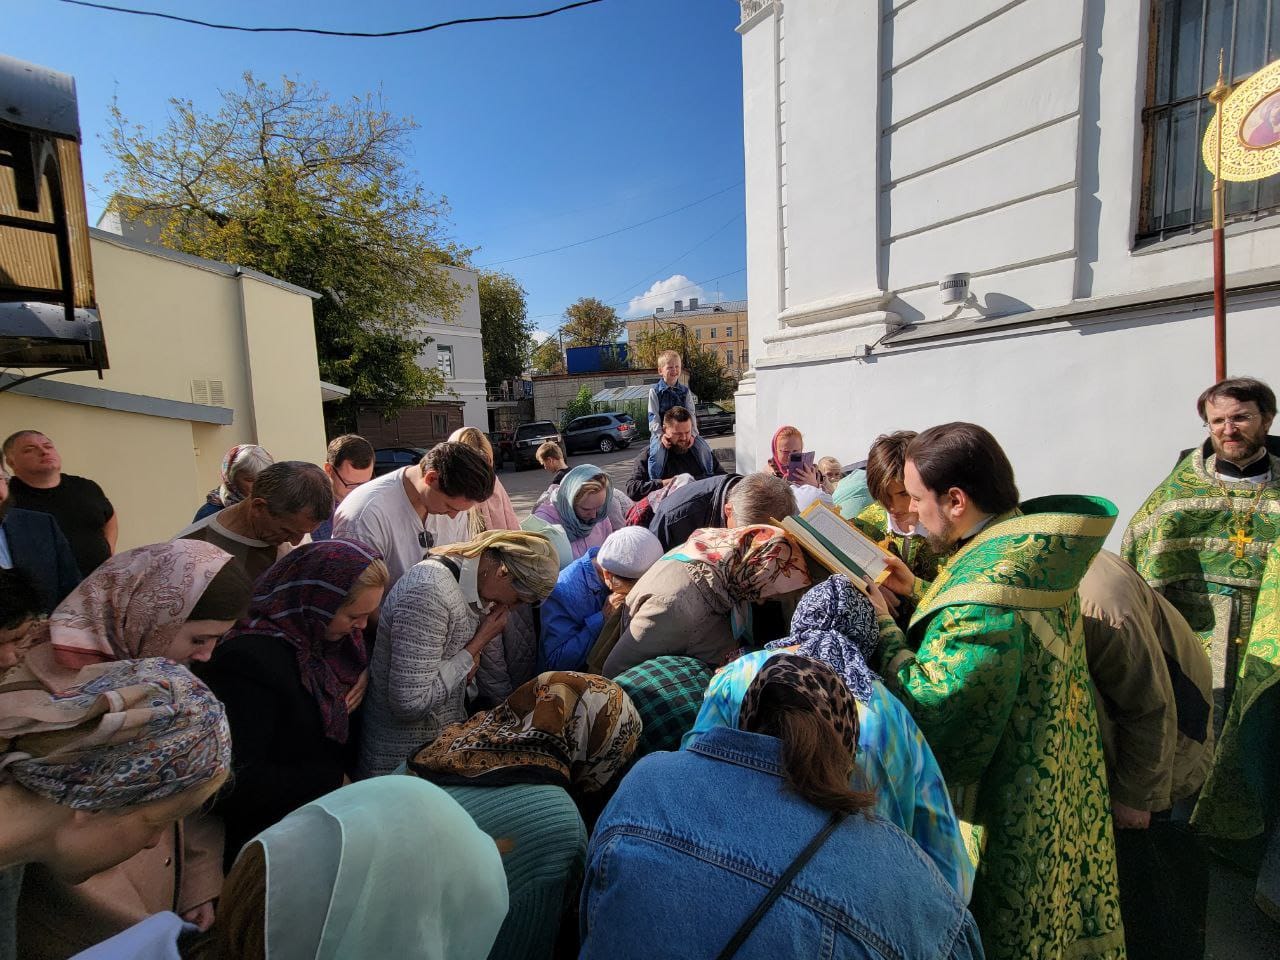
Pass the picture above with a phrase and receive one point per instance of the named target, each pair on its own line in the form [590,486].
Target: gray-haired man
[289,500]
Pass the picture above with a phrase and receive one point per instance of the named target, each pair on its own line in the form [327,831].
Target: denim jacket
[692,842]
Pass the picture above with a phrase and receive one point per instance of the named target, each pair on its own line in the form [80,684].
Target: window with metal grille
[1186,36]
[444,361]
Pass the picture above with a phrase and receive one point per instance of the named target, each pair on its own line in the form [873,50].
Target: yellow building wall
[143,464]
[284,378]
[167,323]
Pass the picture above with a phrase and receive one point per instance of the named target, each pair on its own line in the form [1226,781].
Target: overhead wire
[315,31]
[614,233]
[671,263]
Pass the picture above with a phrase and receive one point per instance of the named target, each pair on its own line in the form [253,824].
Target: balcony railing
[751,7]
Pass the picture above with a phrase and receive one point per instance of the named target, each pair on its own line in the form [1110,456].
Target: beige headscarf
[530,557]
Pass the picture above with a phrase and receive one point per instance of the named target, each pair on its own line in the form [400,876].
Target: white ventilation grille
[209,392]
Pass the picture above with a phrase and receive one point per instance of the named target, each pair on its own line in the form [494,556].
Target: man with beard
[992,667]
[678,440]
[1203,535]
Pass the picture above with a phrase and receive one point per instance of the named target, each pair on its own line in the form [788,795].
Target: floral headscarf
[296,600]
[132,605]
[808,684]
[240,458]
[836,623]
[133,732]
[574,526]
[748,563]
[568,729]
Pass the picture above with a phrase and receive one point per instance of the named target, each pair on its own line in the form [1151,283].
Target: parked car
[713,419]
[528,438]
[386,459]
[605,432]
[502,446]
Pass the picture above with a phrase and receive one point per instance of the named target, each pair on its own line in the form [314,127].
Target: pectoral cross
[1240,540]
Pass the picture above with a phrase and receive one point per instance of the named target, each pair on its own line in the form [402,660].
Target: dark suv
[528,438]
[605,432]
[386,459]
[713,418]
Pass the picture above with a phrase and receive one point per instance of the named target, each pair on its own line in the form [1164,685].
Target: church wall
[1102,408]
[981,111]
[1009,146]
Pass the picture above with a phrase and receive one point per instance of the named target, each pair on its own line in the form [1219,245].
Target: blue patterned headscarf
[131,732]
[836,623]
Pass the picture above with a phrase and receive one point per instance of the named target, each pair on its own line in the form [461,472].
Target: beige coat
[58,919]
[1153,686]
[670,614]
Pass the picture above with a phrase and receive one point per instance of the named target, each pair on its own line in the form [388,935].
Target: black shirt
[639,485]
[81,509]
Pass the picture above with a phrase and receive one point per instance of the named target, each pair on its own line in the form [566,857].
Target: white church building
[1050,150]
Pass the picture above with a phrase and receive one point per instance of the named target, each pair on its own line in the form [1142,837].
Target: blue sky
[540,133]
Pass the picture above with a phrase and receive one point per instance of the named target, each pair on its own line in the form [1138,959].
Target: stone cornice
[757,11]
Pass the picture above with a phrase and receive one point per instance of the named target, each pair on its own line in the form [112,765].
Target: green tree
[588,322]
[505,325]
[708,377]
[579,406]
[546,357]
[644,349]
[284,180]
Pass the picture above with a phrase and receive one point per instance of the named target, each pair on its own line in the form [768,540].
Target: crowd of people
[345,716]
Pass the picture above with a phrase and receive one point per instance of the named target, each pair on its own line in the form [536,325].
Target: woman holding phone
[790,461]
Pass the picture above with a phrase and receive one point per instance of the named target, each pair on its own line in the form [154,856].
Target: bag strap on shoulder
[778,889]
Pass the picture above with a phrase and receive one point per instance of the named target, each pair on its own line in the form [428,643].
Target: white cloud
[538,336]
[665,293]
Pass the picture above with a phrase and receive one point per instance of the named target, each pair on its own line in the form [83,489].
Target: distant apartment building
[718,327]
[457,351]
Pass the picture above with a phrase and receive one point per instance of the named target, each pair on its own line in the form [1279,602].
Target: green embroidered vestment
[1183,542]
[1245,778]
[999,684]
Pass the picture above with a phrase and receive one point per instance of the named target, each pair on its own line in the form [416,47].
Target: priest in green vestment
[1241,800]
[1202,536]
[993,669]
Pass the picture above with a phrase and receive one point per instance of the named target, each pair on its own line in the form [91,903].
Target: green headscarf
[388,867]
[529,557]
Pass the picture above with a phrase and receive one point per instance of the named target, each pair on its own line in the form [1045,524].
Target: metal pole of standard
[1217,95]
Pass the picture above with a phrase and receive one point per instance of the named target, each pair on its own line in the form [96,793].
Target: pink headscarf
[131,606]
[775,461]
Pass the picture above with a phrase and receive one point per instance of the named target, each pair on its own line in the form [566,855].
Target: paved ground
[525,486]
[1237,930]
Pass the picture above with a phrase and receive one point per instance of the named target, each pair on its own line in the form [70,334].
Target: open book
[839,547]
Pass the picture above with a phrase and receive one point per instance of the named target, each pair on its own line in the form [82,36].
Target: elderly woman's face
[588,505]
[243,482]
[495,585]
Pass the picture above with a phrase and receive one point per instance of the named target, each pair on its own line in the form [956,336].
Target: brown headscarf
[569,729]
[808,684]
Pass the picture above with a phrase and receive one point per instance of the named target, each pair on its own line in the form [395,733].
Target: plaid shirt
[667,691]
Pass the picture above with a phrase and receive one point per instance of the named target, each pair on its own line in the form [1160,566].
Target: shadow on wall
[989,307]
